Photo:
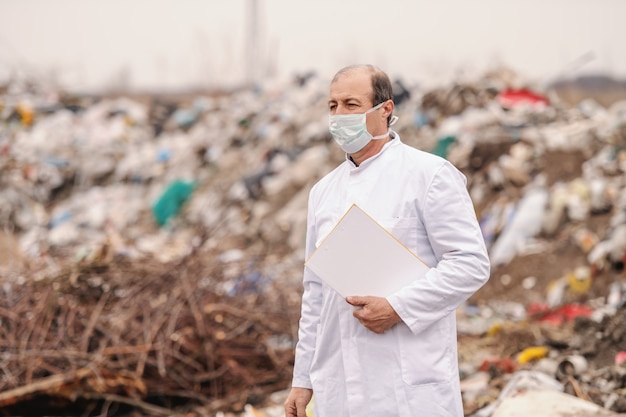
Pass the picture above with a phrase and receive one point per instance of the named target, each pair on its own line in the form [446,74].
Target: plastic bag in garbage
[171,201]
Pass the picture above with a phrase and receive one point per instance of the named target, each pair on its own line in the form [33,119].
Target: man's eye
[332,107]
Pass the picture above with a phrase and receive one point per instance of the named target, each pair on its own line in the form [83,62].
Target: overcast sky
[157,44]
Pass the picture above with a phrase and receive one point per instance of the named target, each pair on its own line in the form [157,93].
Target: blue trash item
[186,118]
[172,200]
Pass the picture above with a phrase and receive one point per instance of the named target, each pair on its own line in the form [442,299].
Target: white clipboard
[360,257]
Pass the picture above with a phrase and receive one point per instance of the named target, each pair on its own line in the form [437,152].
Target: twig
[577,388]
[108,351]
[131,401]
[92,321]
[197,315]
[27,335]
[8,314]
[247,315]
[50,383]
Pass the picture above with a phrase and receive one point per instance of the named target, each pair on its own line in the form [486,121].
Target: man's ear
[388,108]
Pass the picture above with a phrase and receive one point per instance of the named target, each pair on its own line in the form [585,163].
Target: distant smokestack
[252,43]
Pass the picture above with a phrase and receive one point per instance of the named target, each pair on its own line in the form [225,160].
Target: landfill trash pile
[151,248]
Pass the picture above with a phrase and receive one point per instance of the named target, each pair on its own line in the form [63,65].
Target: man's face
[351,93]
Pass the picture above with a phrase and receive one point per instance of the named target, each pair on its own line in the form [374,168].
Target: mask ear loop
[393,120]
[376,107]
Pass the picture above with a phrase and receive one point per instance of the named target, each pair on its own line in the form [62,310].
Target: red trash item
[506,365]
[557,316]
[522,98]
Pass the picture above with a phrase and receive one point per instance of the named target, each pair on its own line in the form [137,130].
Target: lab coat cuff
[411,322]
[301,383]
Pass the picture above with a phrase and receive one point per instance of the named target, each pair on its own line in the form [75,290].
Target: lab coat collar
[394,139]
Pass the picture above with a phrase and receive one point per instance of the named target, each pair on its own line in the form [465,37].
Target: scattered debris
[151,247]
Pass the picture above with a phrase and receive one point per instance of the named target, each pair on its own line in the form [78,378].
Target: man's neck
[371,149]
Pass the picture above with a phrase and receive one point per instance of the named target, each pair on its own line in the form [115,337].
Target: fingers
[360,301]
[356,300]
[297,400]
[371,323]
[291,410]
[301,411]
[375,313]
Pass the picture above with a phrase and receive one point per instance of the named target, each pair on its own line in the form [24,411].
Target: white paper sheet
[360,257]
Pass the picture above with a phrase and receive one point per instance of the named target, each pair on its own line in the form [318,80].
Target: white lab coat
[412,369]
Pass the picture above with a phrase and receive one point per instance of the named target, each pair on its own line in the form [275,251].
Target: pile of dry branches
[116,337]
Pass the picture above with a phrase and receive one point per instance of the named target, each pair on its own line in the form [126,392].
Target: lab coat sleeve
[456,239]
[310,312]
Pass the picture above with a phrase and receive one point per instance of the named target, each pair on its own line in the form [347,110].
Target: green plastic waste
[171,201]
[441,149]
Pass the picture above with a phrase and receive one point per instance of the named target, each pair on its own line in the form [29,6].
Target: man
[394,356]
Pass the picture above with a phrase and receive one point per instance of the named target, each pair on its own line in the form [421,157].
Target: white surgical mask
[350,130]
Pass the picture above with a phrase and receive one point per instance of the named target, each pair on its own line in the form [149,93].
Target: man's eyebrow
[344,99]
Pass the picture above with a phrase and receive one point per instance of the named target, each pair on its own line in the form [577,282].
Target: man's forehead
[354,84]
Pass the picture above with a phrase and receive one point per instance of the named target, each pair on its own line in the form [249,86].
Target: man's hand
[297,400]
[375,313]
